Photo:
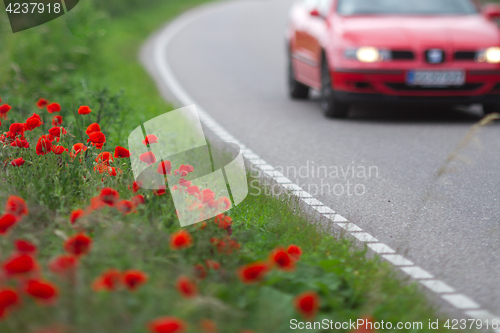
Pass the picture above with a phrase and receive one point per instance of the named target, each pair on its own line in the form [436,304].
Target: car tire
[491,108]
[296,89]
[331,107]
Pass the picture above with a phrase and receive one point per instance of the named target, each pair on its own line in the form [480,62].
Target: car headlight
[490,55]
[368,54]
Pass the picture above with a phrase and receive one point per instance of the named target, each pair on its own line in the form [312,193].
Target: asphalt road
[232,62]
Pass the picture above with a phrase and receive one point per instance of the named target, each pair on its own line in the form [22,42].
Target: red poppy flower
[137,200]
[294,251]
[150,139]
[212,264]
[16,206]
[93,128]
[148,158]
[58,150]
[109,196]
[44,145]
[225,203]
[213,204]
[121,152]
[223,221]
[84,110]
[7,221]
[110,280]
[102,168]
[136,186]
[17,128]
[57,121]
[42,290]
[199,271]
[184,170]
[8,298]
[167,325]
[206,196]
[10,135]
[164,168]
[4,109]
[226,245]
[282,259]
[33,122]
[53,107]
[78,245]
[77,149]
[19,264]
[20,143]
[133,279]
[76,215]
[57,131]
[63,264]
[186,287]
[180,240]
[17,162]
[24,246]
[253,273]
[192,190]
[42,102]
[125,206]
[97,138]
[161,191]
[307,304]
[105,158]
[96,203]
[184,183]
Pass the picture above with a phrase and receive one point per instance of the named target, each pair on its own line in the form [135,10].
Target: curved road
[232,62]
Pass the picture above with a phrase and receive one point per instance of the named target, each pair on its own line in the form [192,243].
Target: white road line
[397,260]
[380,248]
[437,286]
[446,292]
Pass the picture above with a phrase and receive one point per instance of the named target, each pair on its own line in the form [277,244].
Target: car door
[317,38]
[304,59]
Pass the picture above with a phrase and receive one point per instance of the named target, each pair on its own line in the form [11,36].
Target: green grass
[108,77]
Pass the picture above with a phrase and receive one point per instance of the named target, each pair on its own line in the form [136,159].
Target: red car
[377,51]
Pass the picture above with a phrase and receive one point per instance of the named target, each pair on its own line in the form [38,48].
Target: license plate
[436,78]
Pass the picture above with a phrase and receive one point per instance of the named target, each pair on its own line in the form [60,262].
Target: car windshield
[406,7]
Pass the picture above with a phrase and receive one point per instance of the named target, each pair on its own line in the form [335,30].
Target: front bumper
[387,85]
[363,98]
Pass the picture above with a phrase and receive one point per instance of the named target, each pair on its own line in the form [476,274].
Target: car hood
[457,32]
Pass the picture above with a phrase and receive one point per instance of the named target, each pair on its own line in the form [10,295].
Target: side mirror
[491,11]
[315,13]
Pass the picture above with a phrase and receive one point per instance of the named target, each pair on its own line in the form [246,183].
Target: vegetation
[108,260]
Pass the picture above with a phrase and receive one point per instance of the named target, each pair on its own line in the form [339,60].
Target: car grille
[465,55]
[405,87]
[402,55]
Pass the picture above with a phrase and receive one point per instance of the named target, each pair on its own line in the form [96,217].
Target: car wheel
[296,89]
[491,108]
[331,107]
